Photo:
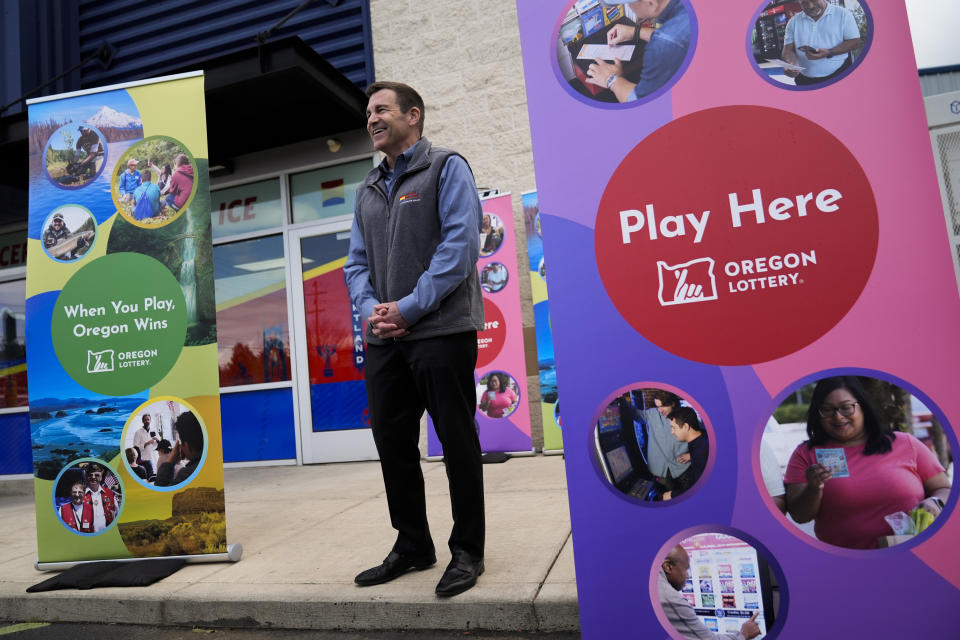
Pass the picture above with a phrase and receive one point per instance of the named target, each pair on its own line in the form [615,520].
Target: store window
[327,192]
[13,362]
[251,290]
[250,207]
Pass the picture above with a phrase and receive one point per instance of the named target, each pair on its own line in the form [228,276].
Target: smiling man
[820,39]
[412,273]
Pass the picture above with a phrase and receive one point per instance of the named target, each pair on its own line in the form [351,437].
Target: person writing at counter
[820,39]
[665,49]
[883,472]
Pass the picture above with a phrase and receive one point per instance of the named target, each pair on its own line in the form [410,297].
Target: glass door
[332,396]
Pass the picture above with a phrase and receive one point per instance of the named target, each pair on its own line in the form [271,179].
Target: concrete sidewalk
[306,531]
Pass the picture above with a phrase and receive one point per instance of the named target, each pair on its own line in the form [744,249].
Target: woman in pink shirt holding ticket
[854,471]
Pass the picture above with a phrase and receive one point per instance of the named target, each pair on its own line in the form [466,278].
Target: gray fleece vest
[401,234]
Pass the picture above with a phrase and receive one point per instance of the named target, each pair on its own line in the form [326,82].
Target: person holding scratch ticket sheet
[853,471]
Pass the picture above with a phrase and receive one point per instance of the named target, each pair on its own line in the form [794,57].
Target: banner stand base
[233,554]
[552,452]
[512,454]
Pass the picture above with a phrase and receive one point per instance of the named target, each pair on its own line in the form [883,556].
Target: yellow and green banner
[121,325]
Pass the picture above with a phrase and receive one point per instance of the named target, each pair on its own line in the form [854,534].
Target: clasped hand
[387,322]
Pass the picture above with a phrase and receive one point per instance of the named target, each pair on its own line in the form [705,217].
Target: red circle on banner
[490,340]
[736,235]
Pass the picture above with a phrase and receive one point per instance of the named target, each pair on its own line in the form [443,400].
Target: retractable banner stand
[503,410]
[549,401]
[744,198]
[121,326]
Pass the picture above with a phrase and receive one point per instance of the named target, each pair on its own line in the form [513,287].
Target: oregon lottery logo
[688,282]
[736,235]
[100,361]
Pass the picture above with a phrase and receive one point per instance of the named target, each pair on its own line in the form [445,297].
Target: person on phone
[498,398]
[820,39]
[663,26]
[674,572]
[188,448]
[886,471]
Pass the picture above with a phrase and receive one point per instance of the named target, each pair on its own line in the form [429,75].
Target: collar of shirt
[399,166]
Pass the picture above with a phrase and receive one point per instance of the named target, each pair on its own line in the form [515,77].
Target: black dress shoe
[394,566]
[461,574]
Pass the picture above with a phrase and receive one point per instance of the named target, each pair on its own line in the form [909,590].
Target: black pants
[436,374]
[804,81]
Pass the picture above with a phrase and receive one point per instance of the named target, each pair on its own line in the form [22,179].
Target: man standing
[100,498]
[147,443]
[673,574]
[820,40]
[412,273]
[77,514]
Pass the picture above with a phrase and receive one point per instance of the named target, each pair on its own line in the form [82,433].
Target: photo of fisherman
[68,233]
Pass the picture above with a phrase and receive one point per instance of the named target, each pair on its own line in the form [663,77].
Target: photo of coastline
[64,429]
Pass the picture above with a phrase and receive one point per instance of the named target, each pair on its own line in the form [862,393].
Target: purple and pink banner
[744,213]
[503,409]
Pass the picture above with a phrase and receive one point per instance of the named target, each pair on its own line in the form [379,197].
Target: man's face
[389,127]
[93,479]
[58,224]
[645,9]
[76,494]
[146,421]
[813,8]
[678,430]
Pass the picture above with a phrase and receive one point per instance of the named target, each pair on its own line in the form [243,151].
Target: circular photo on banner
[651,445]
[857,462]
[497,394]
[88,497]
[164,443]
[74,155]
[708,582]
[809,44]
[69,232]
[624,53]
[491,234]
[493,277]
[154,181]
